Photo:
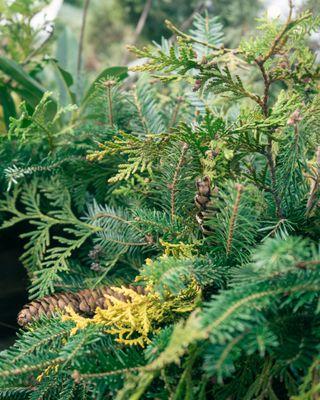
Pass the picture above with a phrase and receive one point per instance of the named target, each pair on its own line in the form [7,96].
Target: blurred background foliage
[112,23]
[39,40]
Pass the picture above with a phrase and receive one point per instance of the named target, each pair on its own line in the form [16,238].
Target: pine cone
[83,302]
[203,195]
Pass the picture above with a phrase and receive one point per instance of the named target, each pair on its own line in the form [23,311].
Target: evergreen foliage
[210,203]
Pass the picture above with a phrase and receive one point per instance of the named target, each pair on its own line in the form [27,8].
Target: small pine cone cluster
[83,302]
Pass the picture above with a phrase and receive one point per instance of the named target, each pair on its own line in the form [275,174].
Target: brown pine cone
[83,302]
[203,196]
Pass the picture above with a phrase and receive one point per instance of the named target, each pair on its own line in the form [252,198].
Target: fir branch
[78,377]
[272,169]
[175,113]
[233,218]
[31,368]
[139,109]
[176,177]
[42,343]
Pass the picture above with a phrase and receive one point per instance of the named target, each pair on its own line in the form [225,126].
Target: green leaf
[8,106]
[34,90]
[119,73]
[64,83]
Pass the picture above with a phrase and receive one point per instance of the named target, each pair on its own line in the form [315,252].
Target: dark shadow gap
[13,284]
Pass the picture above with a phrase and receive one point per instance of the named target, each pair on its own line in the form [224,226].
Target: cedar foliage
[230,306]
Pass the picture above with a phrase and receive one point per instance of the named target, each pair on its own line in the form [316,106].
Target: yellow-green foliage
[134,317]
[178,249]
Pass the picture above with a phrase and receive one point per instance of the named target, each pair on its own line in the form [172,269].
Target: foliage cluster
[230,268]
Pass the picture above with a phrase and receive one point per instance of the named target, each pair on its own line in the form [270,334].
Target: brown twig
[279,37]
[304,264]
[260,61]
[267,82]
[140,25]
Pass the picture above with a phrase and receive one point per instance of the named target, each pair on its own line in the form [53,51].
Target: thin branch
[77,376]
[175,178]
[234,218]
[272,170]
[108,85]
[42,342]
[304,264]
[175,112]
[139,109]
[185,24]
[314,184]
[129,244]
[31,368]
[38,49]
[83,26]
[260,61]
[111,216]
[192,39]
[8,325]
[279,37]
[267,82]
[268,151]
[140,25]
